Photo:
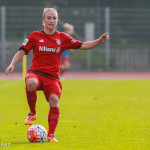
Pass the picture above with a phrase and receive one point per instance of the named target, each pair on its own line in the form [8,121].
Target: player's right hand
[9,69]
[103,38]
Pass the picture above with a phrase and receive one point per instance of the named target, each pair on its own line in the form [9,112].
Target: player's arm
[18,56]
[91,44]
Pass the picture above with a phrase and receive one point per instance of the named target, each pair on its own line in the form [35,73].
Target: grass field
[95,115]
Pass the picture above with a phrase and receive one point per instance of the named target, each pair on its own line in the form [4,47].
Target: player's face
[50,20]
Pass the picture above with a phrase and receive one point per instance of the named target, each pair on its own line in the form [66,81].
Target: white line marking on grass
[9,83]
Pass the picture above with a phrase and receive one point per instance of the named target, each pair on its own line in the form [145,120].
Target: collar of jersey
[47,34]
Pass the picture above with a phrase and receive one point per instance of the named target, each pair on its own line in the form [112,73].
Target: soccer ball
[37,133]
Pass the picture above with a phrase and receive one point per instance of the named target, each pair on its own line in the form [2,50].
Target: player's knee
[53,100]
[31,84]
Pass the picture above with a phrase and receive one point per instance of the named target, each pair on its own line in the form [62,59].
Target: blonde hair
[68,26]
[49,9]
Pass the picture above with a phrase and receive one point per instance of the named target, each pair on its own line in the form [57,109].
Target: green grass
[95,115]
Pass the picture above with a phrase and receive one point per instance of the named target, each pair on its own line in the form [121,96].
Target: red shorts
[64,60]
[47,84]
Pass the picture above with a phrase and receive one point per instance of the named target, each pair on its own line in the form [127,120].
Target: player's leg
[52,91]
[32,82]
[53,116]
[31,85]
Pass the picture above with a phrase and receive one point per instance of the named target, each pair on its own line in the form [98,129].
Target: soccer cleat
[51,138]
[30,118]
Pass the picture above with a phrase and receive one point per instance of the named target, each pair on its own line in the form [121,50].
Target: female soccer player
[48,45]
[64,59]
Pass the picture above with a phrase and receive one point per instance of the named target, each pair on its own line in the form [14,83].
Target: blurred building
[128,23]
[79,3]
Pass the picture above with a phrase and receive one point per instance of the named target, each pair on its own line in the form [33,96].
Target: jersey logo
[73,41]
[41,41]
[25,42]
[58,42]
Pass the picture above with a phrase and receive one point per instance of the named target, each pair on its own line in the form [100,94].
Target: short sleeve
[28,43]
[71,43]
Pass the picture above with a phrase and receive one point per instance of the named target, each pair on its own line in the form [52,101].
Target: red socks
[53,119]
[31,97]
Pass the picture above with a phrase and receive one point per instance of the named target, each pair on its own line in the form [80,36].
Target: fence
[129,37]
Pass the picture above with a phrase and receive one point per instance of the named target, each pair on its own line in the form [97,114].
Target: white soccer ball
[37,133]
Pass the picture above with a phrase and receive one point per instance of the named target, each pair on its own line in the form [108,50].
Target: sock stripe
[53,119]
[32,101]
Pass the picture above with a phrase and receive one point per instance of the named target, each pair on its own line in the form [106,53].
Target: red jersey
[47,50]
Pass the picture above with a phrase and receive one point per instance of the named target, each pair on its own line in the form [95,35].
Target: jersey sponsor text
[47,49]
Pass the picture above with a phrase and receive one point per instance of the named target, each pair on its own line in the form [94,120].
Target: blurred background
[128,23]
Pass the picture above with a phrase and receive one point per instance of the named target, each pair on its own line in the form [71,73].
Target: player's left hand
[103,38]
